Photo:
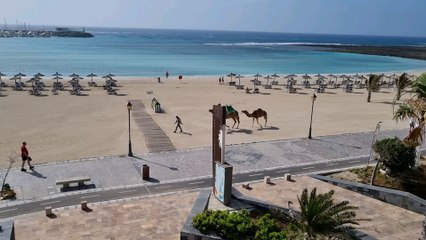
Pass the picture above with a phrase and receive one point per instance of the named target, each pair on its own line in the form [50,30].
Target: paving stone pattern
[115,171]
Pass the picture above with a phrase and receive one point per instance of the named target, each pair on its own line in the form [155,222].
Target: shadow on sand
[385,102]
[269,128]
[232,131]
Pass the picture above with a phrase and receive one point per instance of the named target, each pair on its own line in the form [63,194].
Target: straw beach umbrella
[306,78]
[56,74]
[231,75]
[291,76]
[331,76]
[239,79]
[91,75]
[33,80]
[57,78]
[274,76]
[1,75]
[257,76]
[14,78]
[256,83]
[19,76]
[267,79]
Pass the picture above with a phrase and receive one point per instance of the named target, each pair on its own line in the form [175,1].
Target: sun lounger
[291,89]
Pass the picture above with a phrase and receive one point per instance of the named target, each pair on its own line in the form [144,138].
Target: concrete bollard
[287,177]
[48,211]
[83,205]
[267,180]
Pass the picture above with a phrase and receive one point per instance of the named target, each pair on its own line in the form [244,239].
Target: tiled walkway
[161,217]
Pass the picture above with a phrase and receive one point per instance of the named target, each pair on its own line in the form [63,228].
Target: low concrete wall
[395,197]
[7,230]
[258,203]
[190,233]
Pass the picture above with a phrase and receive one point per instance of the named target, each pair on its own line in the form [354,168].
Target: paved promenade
[116,171]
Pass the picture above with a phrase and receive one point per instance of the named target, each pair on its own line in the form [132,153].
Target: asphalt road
[153,189]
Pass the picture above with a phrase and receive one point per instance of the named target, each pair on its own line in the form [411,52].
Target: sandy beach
[66,127]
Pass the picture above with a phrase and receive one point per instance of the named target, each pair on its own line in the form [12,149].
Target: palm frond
[320,215]
[415,137]
[419,86]
[402,85]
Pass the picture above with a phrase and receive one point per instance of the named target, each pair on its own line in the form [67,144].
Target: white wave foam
[278,44]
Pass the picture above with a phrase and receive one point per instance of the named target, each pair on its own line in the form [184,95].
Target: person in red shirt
[25,157]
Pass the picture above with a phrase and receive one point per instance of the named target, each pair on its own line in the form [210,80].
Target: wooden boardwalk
[155,138]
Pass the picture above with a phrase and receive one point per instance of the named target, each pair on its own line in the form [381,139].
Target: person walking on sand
[178,123]
[25,157]
[167,74]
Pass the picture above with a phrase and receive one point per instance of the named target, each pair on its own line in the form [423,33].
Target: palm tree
[413,108]
[321,216]
[402,83]
[419,86]
[373,84]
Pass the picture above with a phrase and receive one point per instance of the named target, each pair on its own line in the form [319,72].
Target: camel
[234,115]
[256,115]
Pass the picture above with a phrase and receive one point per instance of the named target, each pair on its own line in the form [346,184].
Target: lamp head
[129,106]
[314,97]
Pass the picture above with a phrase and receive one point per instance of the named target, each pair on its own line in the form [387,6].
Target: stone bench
[67,181]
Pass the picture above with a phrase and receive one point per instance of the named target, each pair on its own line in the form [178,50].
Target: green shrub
[230,225]
[238,225]
[266,229]
[395,155]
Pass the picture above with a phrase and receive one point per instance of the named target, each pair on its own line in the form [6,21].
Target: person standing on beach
[167,74]
[25,157]
[178,124]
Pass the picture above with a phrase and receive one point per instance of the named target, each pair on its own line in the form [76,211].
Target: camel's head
[211,110]
[244,111]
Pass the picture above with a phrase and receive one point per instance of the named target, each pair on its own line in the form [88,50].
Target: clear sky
[369,17]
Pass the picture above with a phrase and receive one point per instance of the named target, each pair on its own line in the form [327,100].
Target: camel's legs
[266,120]
[257,120]
[252,123]
[234,122]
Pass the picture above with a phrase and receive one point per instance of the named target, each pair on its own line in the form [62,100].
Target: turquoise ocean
[151,52]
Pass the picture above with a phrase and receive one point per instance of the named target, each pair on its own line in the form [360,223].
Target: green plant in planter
[395,155]
[267,229]
[230,225]
[238,225]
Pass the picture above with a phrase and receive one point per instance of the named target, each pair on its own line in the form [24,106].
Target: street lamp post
[129,107]
[314,97]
